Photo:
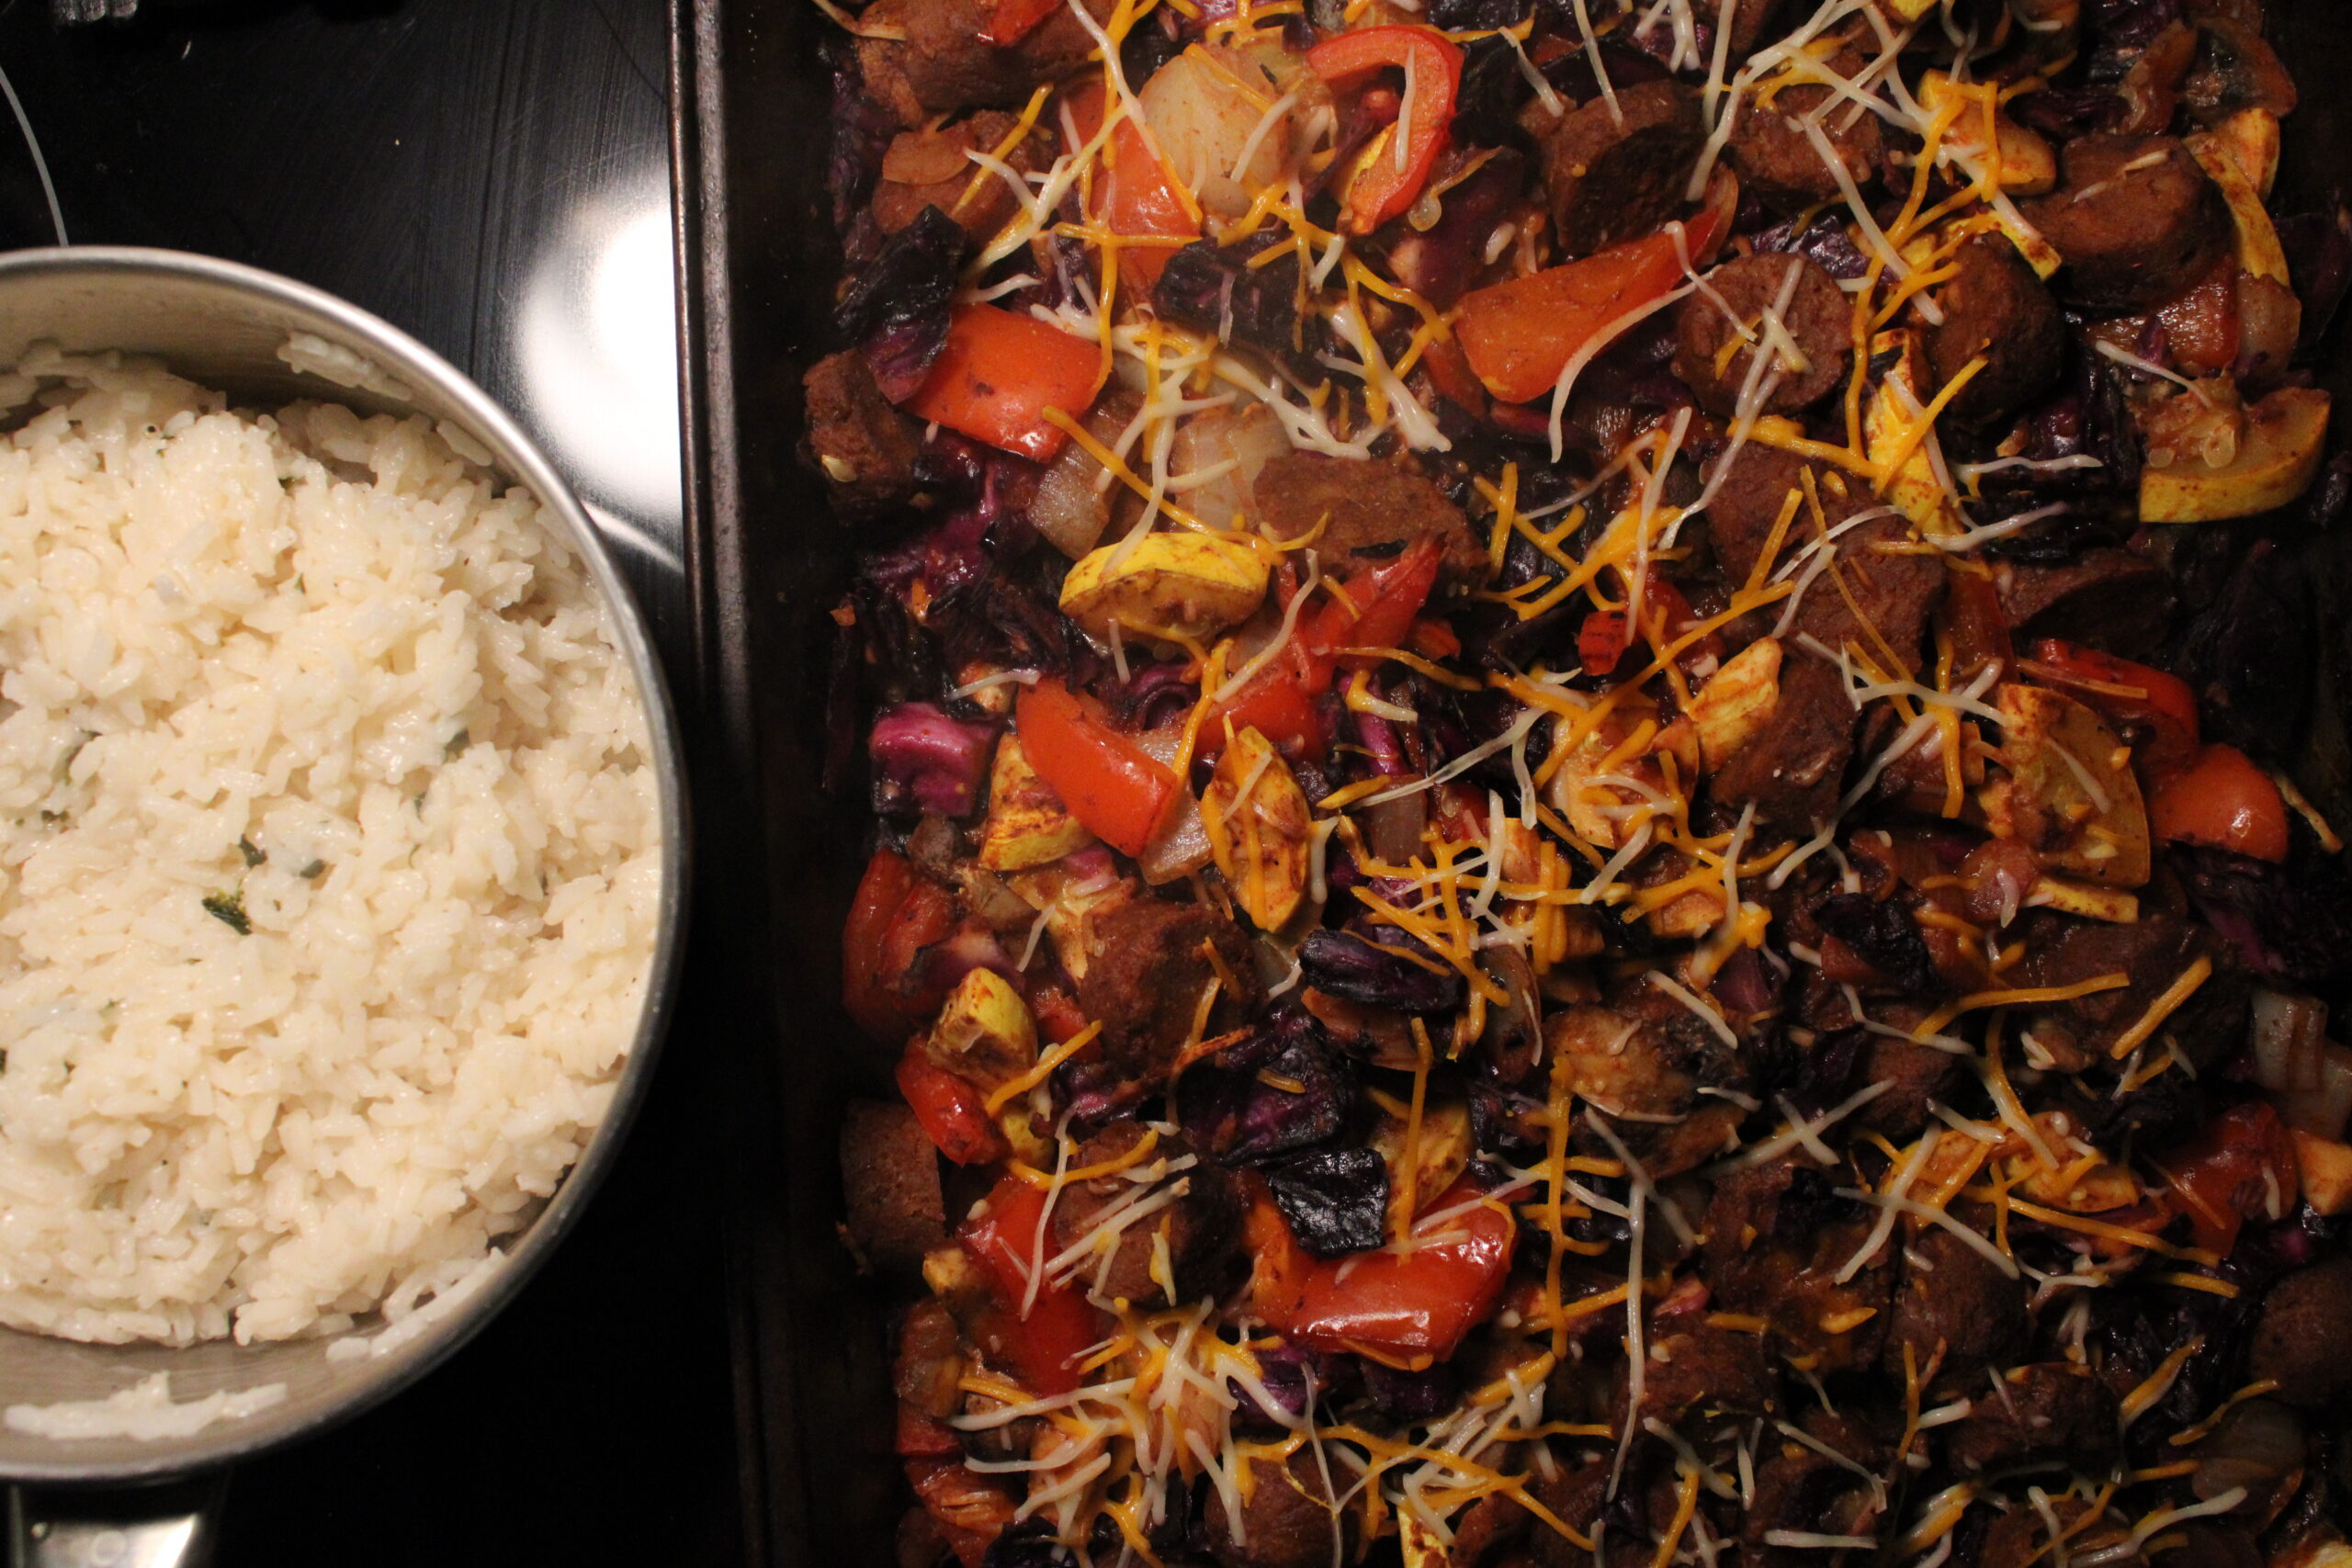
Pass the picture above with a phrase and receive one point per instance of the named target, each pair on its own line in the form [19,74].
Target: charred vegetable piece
[1269,1093]
[1335,1201]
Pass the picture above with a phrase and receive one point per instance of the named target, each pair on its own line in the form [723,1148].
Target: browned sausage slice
[2137,220]
[1793,770]
[2153,953]
[1372,507]
[864,446]
[2300,1341]
[2108,598]
[1199,1227]
[944,66]
[1996,307]
[1956,1311]
[1287,1520]
[1818,319]
[1773,156]
[1616,173]
[1147,971]
[890,1179]
[2047,1412]
[1776,1243]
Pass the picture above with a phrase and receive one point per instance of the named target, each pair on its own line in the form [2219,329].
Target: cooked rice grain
[330,859]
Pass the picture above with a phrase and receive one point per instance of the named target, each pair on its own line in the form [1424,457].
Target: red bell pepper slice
[1409,1309]
[2147,700]
[898,913]
[953,1113]
[1058,1013]
[1043,1348]
[2227,1171]
[1971,617]
[924,1437]
[971,1510]
[999,373]
[1601,641]
[1387,182]
[1134,195]
[1373,609]
[1113,785]
[2221,799]
[1605,636]
[1009,21]
[1376,608]
[1519,335]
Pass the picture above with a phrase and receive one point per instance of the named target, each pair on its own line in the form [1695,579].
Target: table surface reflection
[492,175]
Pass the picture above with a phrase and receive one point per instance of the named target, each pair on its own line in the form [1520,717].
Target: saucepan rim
[520,460]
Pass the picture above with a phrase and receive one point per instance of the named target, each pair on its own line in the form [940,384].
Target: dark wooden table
[492,175]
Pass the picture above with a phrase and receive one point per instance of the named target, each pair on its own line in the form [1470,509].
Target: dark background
[492,175]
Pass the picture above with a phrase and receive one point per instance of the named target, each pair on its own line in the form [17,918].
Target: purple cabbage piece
[898,309]
[1353,969]
[1410,1396]
[2292,924]
[1285,1372]
[1478,16]
[965,951]
[1230,1112]
[2129,24]
[1379,737]
[2264,626]
[2325,503]
[1336,1200]
[1486,103]
[1504,1121]
[2319,260]
[2064,113]
[2165,1107]
[977,607]
[1820,1075]
[1745,983]
[1213,289]
[927,761]
[1884,935]
[1094,1093]
[1572,73]
[1443,261]
[862,130]
[1152,695]
[1824,239]
[2140,1328]
[2089,416]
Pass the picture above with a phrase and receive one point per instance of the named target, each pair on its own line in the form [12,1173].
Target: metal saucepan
[106,1501]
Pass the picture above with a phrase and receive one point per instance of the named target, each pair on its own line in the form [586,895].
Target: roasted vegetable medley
[1584,717]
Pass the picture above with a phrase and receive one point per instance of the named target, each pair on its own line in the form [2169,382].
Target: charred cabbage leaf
[1346,966]
[1239,1107]
[1336,1200]
[897,310]
[1884,935]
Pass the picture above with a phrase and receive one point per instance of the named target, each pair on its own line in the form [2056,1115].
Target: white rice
[345,645]
[144,1412]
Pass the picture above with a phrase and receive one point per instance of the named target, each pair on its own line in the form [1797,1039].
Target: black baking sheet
[758,268]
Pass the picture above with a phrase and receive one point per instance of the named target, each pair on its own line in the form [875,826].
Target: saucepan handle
[173,1525]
